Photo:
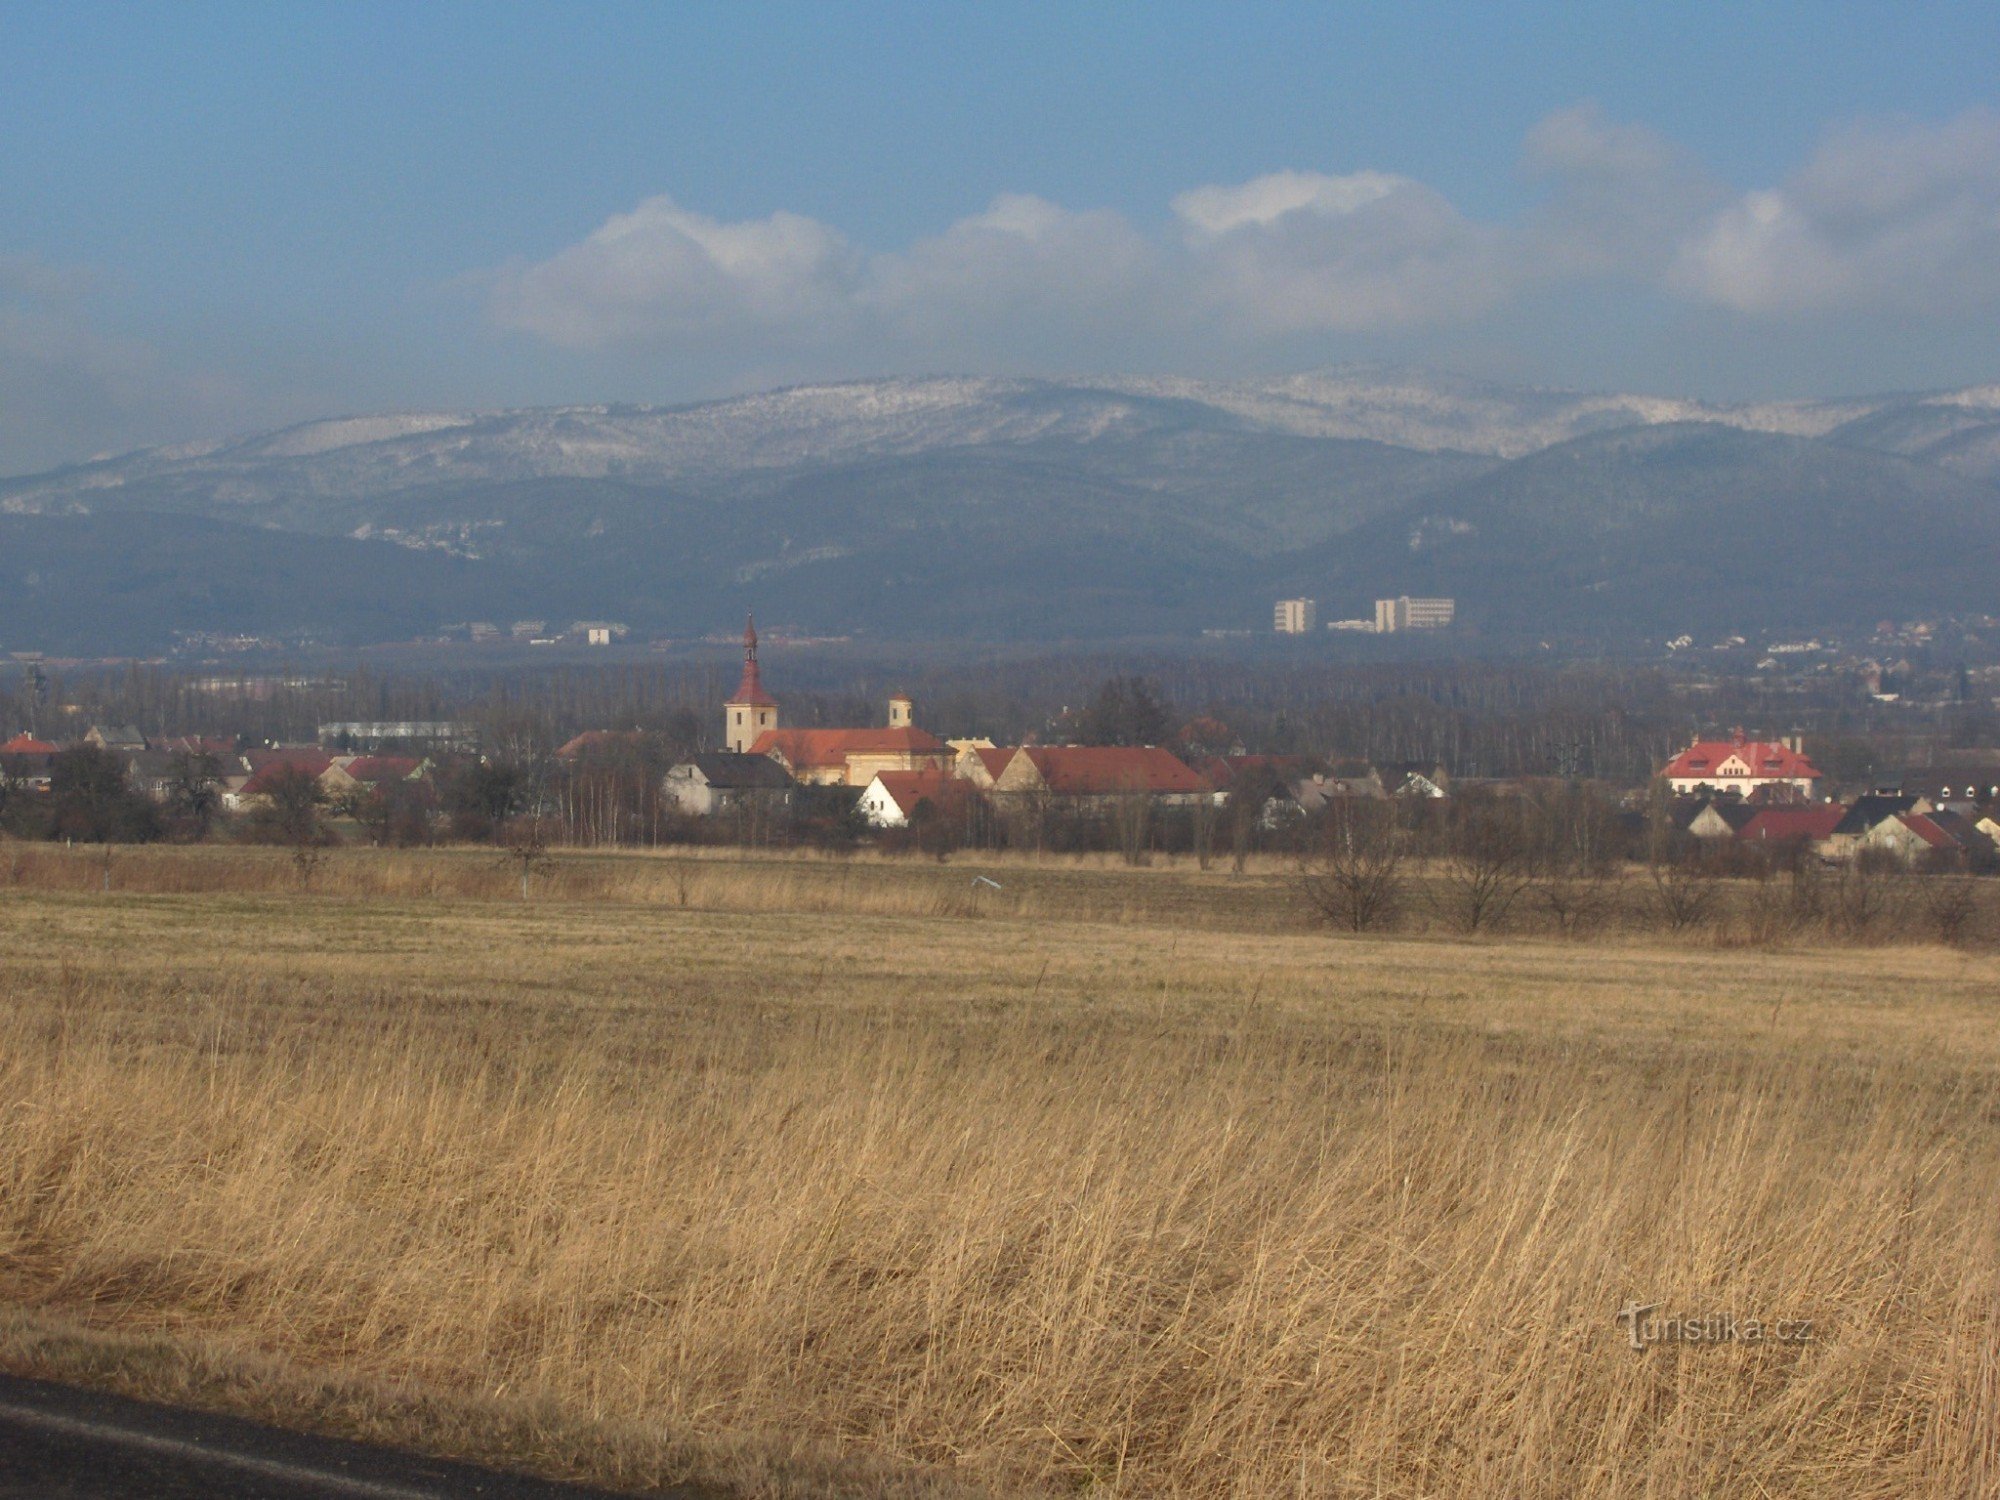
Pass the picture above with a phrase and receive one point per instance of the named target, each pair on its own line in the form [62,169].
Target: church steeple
[750,710]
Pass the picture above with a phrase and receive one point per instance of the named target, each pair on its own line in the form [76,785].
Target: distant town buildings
[362,734]
[1405,613]
[1294,617]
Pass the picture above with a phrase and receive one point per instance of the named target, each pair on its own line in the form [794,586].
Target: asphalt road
[62,1444]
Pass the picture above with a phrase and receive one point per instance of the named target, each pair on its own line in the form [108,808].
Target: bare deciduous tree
[1353,875]
[1486,865]
[1684,892]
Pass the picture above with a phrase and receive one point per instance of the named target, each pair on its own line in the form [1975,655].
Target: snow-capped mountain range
[1184,500]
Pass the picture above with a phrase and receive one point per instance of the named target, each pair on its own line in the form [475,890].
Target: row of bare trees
[1563,862]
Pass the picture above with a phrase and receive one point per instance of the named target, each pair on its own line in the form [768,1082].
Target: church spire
[751,689]
[750,710]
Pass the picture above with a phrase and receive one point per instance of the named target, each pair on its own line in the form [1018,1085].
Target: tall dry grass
[1127,1211]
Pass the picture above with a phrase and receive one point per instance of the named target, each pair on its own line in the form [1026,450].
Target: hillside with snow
[1146,505]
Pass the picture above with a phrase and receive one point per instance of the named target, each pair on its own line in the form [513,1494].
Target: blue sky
[215,218]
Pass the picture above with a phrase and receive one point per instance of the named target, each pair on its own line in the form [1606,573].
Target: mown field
[812,1178]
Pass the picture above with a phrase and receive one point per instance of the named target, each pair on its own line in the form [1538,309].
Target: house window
[739,718]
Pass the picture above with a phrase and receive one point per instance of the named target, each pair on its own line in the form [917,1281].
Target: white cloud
[1023,258]
[1622,196]
[1900,217]
[1263,201]
[1903,217]
[664,272]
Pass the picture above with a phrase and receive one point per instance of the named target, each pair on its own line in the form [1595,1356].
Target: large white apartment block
[1405,613]
[1294,617]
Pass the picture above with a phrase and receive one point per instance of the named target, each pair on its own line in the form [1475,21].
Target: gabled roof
[1105,770]
[268,766]
[27,744]
[1963,831]
[995,757]
[1764,758]
[811,749]
[380,768]
[1773,823]
[1736,814]
[907,788]
[729,771]
[1866,811]
[1928,829]
[294,755]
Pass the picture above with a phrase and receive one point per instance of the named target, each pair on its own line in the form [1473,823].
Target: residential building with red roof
[28,761]
[1740,765]
[350,773]
[982,765]
[1101,771]
[1811,826]
[267,766]
[892,798]
[1913,835]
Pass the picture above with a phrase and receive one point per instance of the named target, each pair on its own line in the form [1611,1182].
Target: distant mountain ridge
[1024,508]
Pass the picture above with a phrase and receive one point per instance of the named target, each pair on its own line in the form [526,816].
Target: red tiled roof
[314,761]
[1927,830]
[804,749]
[1101,770]
[23,744]
[1765,758]
[266,775]
[995,757]
[382,767]
[750,691]
[1793,823]
[907,788]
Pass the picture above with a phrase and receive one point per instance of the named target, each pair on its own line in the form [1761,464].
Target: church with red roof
[825,757]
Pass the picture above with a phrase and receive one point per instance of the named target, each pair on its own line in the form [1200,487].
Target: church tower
[750,710]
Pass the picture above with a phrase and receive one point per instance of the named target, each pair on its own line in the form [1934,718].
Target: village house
[981,764]
[1913,836]
[27,760]
[1713,817]
[892,798]
[1743,766]
[1804,827]
[1863,815]
[1102,773]
[727,781]
[265,767]
[120,737]
[352,775]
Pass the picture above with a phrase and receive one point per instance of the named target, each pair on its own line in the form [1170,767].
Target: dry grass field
[806,1178]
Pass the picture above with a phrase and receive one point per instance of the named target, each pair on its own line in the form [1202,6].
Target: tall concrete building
[1294,617]
[1405,613]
